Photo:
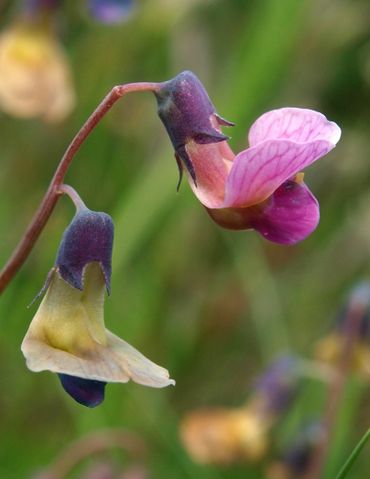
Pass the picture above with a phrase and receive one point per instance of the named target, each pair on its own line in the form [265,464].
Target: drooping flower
[352,325]
[35,76]
[110,11]
[261,187]
[227,436]
[68,335]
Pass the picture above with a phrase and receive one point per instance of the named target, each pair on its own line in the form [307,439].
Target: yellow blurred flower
[224,436]
[35,77]
[330,350]
[349,340]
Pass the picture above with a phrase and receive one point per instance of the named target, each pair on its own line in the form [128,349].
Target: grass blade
[352,458]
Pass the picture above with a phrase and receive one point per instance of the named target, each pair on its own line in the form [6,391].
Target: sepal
[88,238]
[187,113]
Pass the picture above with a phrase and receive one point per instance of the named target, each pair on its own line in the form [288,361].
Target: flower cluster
[261,188]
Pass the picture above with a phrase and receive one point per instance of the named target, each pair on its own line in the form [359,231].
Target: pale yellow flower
[35,77]
[224,436]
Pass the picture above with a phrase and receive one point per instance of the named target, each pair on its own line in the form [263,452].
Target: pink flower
[261,187]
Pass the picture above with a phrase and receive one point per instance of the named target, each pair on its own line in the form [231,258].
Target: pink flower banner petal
[295,124]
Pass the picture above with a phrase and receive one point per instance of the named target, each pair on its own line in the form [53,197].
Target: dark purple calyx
[88,238]
[87,392]
[186,110]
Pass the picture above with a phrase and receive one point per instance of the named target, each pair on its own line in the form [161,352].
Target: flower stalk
[38,222]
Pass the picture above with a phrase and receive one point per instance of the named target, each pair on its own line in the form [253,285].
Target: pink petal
[295,124]
[288,216]
[291,215]
[258,171]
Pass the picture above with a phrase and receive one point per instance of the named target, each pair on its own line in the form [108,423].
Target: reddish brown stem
[50,199]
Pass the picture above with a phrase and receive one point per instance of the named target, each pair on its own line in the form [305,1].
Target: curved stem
[74,196]
[50,199]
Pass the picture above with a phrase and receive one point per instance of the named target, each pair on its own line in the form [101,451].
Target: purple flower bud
[87,392]
[88,238]
[110,11]
[188,114]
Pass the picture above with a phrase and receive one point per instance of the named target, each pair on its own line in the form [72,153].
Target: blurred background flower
[35,76]
[110,11]
[227,436]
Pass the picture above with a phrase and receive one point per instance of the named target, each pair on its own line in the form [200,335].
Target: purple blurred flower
[110,11]
[277,387]
[261,187]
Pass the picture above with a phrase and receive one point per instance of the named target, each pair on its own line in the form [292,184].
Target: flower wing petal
[117,361]
[295,124]
[290,216]
[258,171]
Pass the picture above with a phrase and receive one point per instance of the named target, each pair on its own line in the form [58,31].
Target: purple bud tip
[186,111]
[87,392]
[110,11]
[88,238]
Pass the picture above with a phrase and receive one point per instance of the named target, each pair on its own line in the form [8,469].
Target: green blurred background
[212,306]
